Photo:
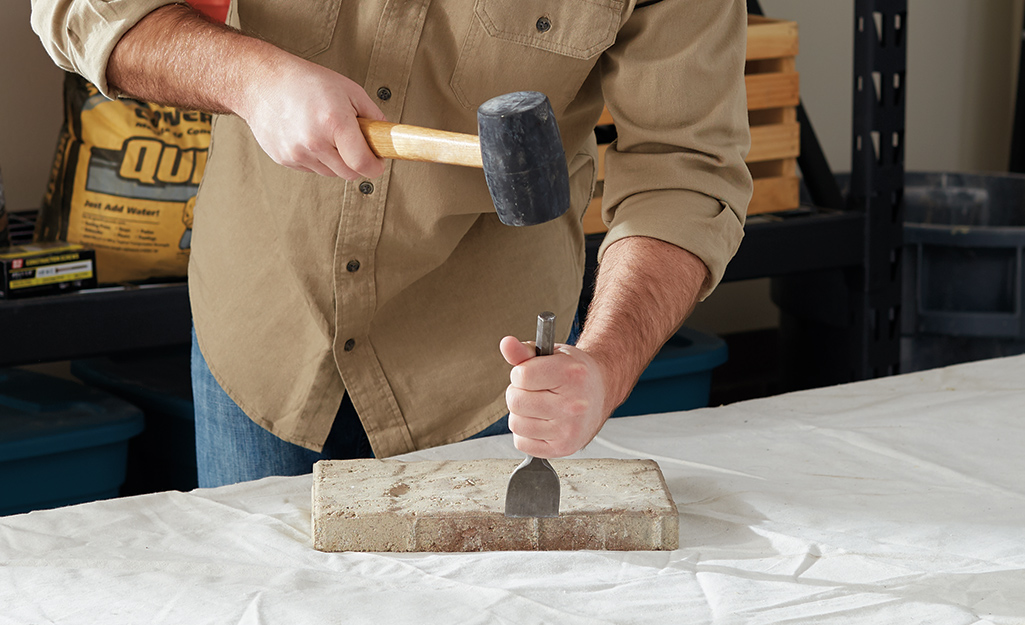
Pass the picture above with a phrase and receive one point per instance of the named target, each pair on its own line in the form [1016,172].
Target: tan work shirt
[400,288]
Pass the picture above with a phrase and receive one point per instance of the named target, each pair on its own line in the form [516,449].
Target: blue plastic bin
[60,443]
[160,384]
[680,376]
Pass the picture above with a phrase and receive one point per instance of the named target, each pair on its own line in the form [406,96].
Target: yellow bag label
[124,183]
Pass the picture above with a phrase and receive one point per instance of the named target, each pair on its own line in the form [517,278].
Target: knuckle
[362,162]
[293,154]
[523,444]
[319,146]
[277,153]
[559,449]
[576,373]
[571,431]
[516,376]
[578,407]
[291,164]
[573,407]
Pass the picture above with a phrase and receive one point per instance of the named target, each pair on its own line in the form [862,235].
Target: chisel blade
[533,490]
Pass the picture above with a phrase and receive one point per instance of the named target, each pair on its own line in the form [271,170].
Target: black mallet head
[524,162]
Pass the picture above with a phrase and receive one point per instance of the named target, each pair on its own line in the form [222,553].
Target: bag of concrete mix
[124,180]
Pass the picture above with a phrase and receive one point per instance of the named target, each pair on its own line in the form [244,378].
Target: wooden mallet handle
[413,143]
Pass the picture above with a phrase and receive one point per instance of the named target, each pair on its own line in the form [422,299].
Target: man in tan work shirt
[321,273]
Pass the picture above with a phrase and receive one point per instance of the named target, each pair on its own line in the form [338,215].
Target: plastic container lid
[41,415]
[160,381]
[688,351]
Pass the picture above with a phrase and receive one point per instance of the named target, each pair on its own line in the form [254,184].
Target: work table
[893,500]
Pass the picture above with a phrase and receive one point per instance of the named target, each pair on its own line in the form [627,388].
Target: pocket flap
[575,28]
[302,28]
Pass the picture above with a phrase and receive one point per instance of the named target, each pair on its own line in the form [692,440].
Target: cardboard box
[45,268]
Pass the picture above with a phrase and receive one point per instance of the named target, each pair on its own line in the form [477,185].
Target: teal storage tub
[159,383]
[60,443]
[679,377]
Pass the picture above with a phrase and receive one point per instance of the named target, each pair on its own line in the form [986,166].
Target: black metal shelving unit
[842,323]
[860,239]
[92,322]
[80,325]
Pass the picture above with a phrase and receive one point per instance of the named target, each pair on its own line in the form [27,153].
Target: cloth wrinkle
[640,454]
[866,443]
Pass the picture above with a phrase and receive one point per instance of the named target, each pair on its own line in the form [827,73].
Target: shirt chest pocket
[542,45]
[302,28]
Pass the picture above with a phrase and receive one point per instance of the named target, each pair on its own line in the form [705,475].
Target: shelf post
[877,181]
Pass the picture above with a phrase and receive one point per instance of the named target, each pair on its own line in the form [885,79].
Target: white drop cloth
[900,500]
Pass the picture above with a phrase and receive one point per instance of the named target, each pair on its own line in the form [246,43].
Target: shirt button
[366,188]
[543,24]
[352,266]
[384,93]
[350,345]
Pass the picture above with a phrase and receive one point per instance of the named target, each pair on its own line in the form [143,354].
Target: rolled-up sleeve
[674,84]
[79,35]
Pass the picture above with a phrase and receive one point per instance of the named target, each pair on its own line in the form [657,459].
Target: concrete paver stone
[390,505]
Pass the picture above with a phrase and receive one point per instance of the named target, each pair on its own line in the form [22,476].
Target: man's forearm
[176,56]
[644,291]
[304,116]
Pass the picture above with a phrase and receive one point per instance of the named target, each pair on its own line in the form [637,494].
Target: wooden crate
[773,92]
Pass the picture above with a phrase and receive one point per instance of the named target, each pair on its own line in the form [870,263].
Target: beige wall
[30,108]
[961,70]
[961,81]
[961,64]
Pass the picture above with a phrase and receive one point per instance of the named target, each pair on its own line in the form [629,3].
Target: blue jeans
[230,448]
